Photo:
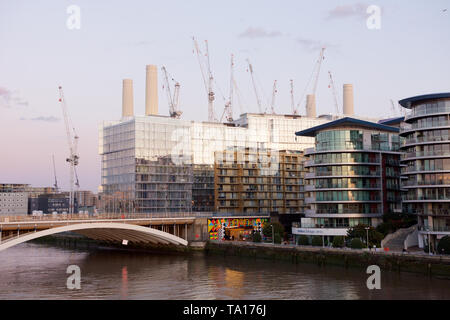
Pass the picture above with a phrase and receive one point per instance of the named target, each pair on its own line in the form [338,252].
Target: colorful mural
[216,227]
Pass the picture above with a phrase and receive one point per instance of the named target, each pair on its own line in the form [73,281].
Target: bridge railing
[117,216]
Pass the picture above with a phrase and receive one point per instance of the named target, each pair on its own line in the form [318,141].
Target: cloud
[42,118]
[258,32]
[357,10]
[314,45]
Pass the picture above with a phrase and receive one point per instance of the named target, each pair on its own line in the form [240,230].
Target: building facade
[135,149]
[258,181]
[353,178]
[13,199]
[426,162]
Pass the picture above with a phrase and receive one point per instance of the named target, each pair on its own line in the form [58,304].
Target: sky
[406,56]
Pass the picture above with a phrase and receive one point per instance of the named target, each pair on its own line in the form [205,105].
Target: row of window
[347,183]
[347,171]
[341,208]
[348,196]
[355,157]
[428,179]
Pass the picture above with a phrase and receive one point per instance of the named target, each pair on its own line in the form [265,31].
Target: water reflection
[32,271]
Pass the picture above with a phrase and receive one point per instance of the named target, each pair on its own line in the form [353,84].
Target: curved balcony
[425,140]
[433,111]
[424,154]
[415,127]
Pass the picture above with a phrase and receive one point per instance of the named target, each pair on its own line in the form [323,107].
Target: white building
[13,199]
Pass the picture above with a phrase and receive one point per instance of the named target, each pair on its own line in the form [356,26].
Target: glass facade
[157,163]
[354,176]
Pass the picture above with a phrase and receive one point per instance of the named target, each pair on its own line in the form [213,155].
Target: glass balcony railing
[425,154]
[409,127]
[435,228]
[427,139]
[428,111]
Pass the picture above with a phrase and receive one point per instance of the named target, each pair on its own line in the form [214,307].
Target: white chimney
[151,90]
[127,98]
[348,100]
[311,106]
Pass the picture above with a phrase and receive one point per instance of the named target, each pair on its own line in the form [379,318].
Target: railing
[121,216]
[427,139]
[415,126]
[435,229]
[424,154]
[417,113]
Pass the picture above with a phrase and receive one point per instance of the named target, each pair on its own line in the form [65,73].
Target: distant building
[13,199]
[50,203]
[426,163]
[353,178]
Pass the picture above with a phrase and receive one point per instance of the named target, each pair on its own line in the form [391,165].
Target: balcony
[419,154]
[309,151]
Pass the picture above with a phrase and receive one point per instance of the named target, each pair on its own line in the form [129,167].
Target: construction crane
[258,100]
[54,172]
[207,76]
[72,142]
[229,105]
[274,93]
[314,78]
[333,90]
[173,100]
[294,110]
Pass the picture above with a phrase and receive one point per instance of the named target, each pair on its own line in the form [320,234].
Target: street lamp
[273,238]
[429,242]
[323,237]
[367,231]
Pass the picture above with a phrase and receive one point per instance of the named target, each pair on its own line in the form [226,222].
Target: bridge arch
[104,231]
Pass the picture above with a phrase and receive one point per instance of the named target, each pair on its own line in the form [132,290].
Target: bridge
[169,228]
[156,229]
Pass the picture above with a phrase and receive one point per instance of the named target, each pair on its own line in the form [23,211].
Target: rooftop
[311,132]
[409,102]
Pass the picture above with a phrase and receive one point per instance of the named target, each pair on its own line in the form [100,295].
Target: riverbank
[348,258]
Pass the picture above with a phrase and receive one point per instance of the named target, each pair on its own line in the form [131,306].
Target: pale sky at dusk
[408,56]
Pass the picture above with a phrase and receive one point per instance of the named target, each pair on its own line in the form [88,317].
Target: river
[38,271]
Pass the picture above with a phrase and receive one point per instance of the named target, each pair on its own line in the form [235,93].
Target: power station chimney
[348,100]
[127,98]
[151,91]
[311,106]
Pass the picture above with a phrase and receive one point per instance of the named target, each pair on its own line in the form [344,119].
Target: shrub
[444,245]
[277,228]
[317,241]
[303,241]
[277,238]
[256,237]
[338,242]
[356,243]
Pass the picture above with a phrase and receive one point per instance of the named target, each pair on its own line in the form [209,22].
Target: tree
[444,245]
[256,237]
[277,238]
[356,243]
[277,229]
[360,232]
[338,242]
[317,241]
[303,241]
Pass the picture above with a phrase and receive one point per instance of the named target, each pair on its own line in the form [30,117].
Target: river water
[38,271]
